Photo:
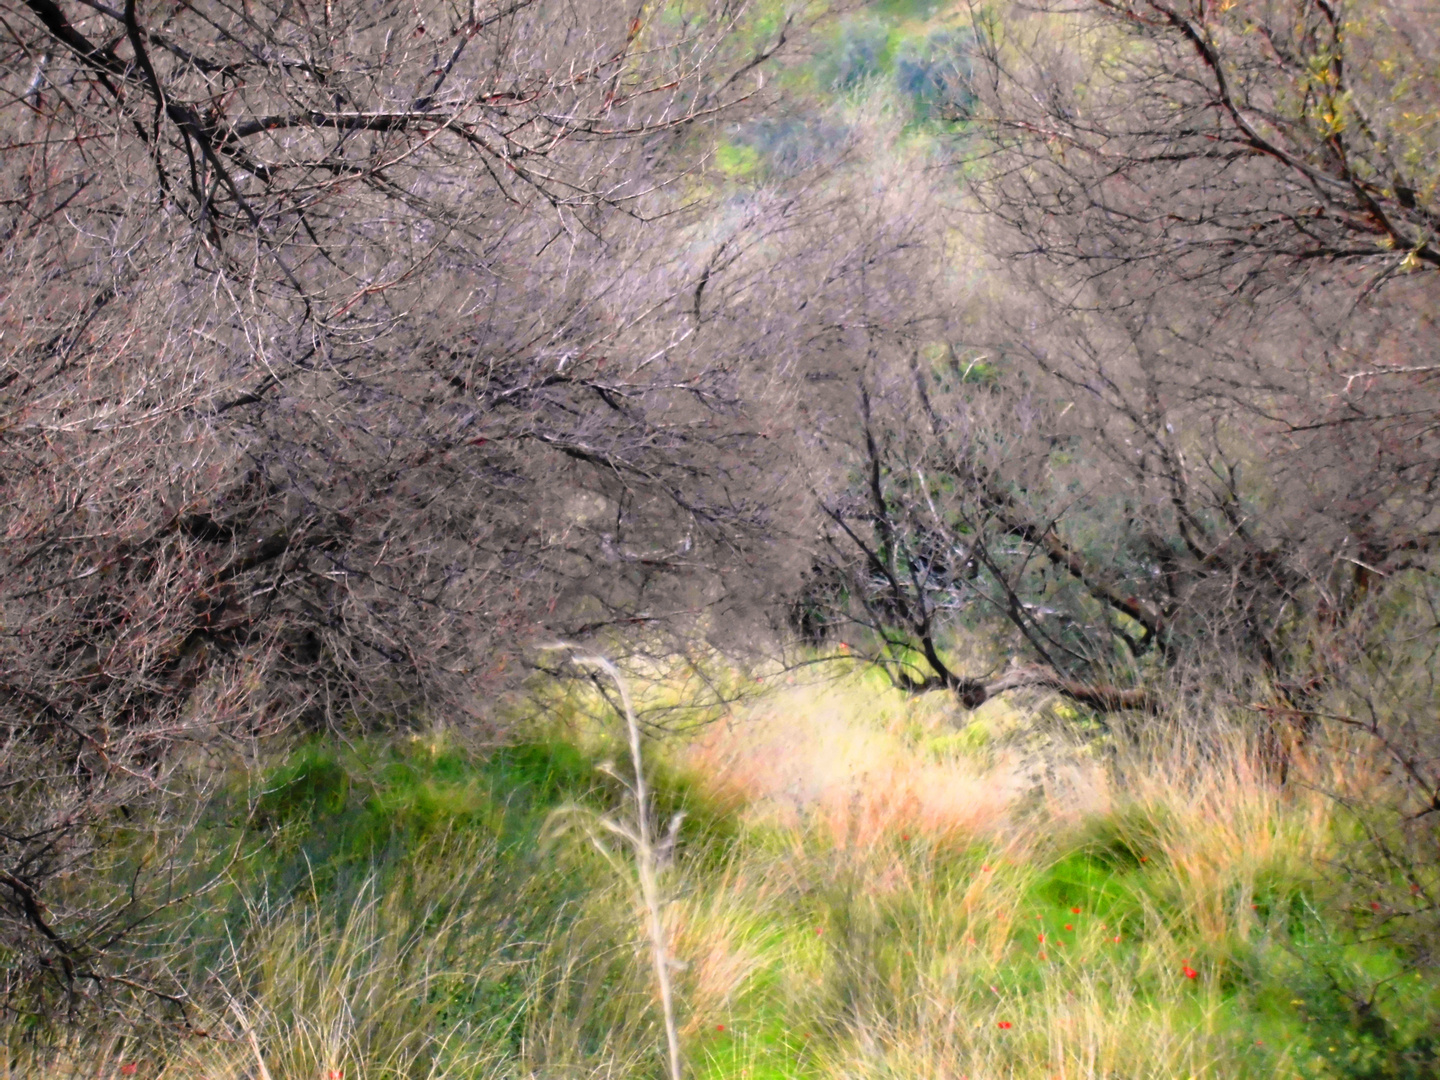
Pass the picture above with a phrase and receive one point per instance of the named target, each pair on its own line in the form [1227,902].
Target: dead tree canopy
[345,348]
[1188,421]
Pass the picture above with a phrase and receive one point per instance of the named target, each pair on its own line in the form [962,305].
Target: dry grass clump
[937,885]
[841,758]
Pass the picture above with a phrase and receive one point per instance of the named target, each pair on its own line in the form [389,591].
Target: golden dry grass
[839,757]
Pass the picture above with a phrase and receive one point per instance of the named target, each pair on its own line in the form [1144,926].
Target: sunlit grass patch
[848,900]
[843,758]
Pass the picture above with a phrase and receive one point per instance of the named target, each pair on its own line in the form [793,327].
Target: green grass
[408,908]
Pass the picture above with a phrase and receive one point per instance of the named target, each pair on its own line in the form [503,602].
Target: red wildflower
[984,870]
[129,1069]
[335,1074]
[1144,858]
[1074,911]
[1006,1024]
[1117,939]
[1190,972]
[1374,905]
[719,1027]
[1042,939]
[1069,927]
[1043,956]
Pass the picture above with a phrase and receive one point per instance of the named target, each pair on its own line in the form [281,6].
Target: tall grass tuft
[650,853]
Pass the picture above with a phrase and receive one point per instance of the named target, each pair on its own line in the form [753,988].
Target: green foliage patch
[435,875]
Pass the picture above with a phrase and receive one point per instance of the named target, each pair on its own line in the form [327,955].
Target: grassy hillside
[858,890]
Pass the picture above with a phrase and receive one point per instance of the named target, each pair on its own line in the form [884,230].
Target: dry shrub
[343,353]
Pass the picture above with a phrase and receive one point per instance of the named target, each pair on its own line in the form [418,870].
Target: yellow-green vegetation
[858,891]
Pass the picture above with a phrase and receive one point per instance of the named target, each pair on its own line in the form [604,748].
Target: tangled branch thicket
[1180,446]
[1193,421]
[347,350]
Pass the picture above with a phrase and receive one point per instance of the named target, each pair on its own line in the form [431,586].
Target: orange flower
[1006,1024]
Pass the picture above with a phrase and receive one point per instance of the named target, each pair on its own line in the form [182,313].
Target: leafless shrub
[345,349]
[1196,426]
[1223,213]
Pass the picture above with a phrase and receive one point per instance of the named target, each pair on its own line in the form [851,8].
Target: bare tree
[346,348]
[1227,211]
[1190,421]
[932,480]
